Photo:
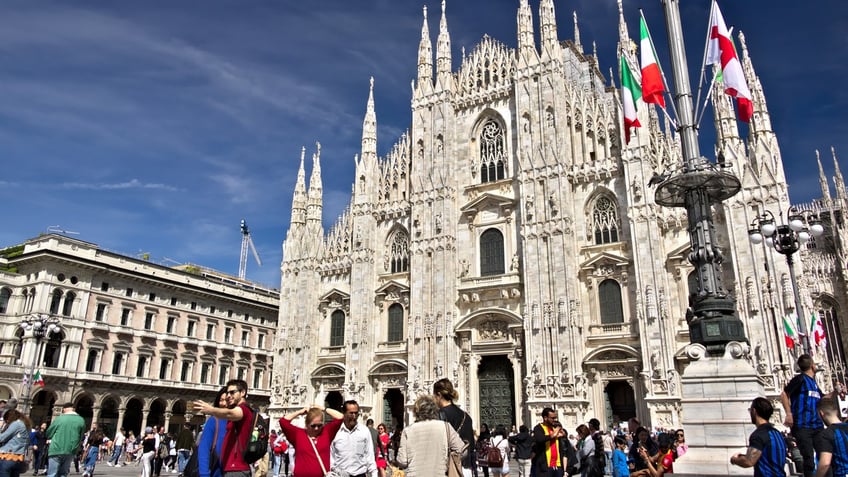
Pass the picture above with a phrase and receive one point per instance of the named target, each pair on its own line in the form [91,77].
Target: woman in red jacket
[313,441]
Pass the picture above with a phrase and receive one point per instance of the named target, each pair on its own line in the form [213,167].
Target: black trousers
[806,440]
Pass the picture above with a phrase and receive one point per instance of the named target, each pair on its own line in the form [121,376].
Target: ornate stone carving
[493,330]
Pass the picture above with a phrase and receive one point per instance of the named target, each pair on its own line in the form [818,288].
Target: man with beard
[766,446]
[239,427]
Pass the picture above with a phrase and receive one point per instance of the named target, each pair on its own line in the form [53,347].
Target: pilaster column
[473,387]
[144,414]
[168,415]
[121,412]
[517,381]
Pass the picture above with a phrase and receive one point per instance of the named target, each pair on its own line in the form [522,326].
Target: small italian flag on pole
[817,335]
[37,379]
[652,83]
[630,93]
[790,334]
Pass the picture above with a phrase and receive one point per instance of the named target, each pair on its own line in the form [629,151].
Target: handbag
[454,458]
[192,467]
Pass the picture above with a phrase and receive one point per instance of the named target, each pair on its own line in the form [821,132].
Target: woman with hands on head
[314,441]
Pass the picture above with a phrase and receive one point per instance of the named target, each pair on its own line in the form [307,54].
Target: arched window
[605,220]
[833,335]
[5,296]
[609,297]
[492,153]
[399,258]
[492,253]
[395,323]
[55,301]
[69,303]
[337,327]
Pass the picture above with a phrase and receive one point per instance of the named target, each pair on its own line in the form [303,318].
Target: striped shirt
[834,440]
[771,443]
[804,396]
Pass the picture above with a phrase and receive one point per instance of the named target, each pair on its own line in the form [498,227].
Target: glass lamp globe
[770,242]
[768,229]
[796,224]
[816,229]
[756,237]
[803,236]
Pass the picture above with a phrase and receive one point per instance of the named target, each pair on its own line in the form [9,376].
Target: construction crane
[246,242]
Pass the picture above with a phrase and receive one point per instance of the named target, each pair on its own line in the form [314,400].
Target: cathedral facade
[510,242]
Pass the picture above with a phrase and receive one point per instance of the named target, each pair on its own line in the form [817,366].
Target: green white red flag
[630,93]
[790,335]
[817,335]
[652,83]
[720,51]
[37,379]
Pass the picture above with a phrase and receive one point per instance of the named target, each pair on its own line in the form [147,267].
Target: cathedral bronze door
[497,394]
[622,401]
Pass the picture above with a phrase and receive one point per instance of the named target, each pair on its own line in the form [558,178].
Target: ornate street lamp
[787,239]
[40,326]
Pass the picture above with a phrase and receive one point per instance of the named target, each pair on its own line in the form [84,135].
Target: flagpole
[704,64]
[662,72]
[698,185]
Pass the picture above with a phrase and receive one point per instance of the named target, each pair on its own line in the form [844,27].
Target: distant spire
[443,49]
[315,196]
[425,54]
[369,129]
[840,182]
[298,215]
[624,42]
[577,33]
[762,118]
[825,188]
[526,40]
[548,27]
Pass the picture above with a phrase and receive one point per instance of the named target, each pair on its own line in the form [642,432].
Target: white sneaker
[109,464]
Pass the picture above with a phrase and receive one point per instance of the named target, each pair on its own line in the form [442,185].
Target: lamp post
[697,186]
[41,326]
[787,239]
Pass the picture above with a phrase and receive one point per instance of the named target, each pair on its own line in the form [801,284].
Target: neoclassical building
[510,242]
[138,341]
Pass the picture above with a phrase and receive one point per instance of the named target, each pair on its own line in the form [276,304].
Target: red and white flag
[652,83]
[720,51]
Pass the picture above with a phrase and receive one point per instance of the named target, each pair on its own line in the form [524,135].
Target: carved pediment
[488,204]
[392,287]
[679,255]
[605,263]
[333,299]
[331,370]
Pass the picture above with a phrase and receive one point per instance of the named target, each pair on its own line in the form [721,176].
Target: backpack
[494,457]
[163,449]
[256,447]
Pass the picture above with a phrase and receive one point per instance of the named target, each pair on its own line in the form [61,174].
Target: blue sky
[155,127]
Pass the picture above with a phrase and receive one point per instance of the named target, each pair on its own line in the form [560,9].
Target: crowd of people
[441,441]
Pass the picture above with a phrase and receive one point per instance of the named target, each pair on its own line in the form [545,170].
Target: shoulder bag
[454,458]
[192,468]
[331,472]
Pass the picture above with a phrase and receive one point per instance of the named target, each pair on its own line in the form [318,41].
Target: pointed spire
[577,33]
[369,129]
[839,181]
[526,40]
[762,118]
[548,27]
[315,196]
[625,44]
[443,48]
[425,54]
[298,215]
[825,188]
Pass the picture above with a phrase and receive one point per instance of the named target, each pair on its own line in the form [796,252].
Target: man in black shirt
[460,420]
[523,443]
[833,441]
[548,446]
[766,447]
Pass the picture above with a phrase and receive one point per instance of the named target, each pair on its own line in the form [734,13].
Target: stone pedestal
[716,394]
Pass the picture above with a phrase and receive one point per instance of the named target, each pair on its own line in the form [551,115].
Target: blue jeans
[182,459]
[90,459]
[116,454]
[10,468]
[59,465]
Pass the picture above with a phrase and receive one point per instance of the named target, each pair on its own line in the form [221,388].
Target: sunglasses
[232,392]
[316,426]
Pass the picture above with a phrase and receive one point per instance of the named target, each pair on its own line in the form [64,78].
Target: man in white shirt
[352,450]
[117,449]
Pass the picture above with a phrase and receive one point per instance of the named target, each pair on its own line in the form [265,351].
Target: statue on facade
[515,261]
[438,370]
[563,365]
[464,268]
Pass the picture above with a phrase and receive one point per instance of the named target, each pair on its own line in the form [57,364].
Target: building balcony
[613,331]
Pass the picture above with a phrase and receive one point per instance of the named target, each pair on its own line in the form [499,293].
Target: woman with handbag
[212,440]
[13,443]
[311,445]
[426,446]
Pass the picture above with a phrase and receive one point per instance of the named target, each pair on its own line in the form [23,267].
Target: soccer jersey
[804,396]
[770,442]
[834,439]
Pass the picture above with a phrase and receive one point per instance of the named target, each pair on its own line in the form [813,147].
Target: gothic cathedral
[510,241]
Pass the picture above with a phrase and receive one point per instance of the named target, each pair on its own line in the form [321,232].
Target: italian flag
[817,331]
[652,84]
[630,93]
[37,379]
[790,335]
[720,51]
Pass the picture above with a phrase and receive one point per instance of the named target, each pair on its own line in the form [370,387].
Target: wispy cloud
[130,184]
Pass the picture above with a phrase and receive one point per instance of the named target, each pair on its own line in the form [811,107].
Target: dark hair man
[352,450]
[523,443]
[239,427]
[833,441]
[800,398]
[766,446]
[547,461]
